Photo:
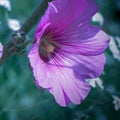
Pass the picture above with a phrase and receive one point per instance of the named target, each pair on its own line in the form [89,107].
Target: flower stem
[32,20]
[18,37]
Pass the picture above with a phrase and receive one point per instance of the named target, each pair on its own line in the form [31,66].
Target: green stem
[16,38]
[36,15]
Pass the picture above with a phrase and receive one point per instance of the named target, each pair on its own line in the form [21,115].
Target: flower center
[47,48]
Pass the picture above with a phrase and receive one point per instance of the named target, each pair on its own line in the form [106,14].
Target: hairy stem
[18,37]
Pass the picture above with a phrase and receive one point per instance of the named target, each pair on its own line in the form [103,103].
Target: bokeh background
[20,99]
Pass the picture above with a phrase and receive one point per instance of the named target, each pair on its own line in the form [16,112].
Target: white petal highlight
[14,24]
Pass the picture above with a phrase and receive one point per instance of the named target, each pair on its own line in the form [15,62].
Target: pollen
[47,48]
[50,48]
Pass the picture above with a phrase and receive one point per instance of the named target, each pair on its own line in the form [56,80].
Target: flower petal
[84,67]
[59,94]
[1,50]
[89,66]
[90,10]
[39,68]
[66,87]
[84,39]
[61,13]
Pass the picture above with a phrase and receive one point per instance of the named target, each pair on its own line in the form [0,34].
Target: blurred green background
[20,99]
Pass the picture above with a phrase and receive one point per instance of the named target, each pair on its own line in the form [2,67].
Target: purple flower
[1,49]
[68,50]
